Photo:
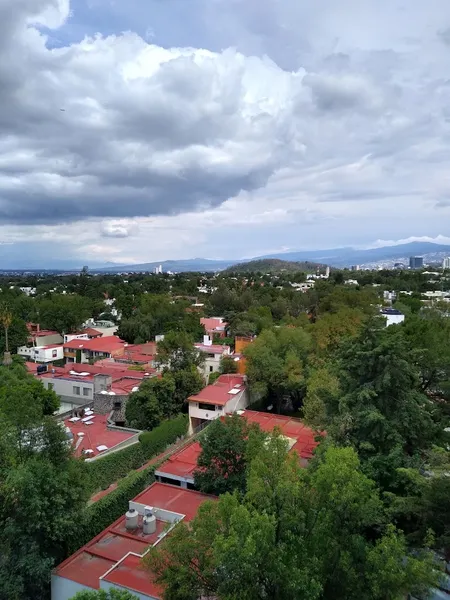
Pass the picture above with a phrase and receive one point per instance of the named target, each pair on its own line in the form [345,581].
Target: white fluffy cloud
[324,124]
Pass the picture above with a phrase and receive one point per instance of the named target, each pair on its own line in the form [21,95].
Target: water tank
[131,519]
[149,524]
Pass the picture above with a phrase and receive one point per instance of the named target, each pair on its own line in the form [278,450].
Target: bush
[105,511]
[114,466]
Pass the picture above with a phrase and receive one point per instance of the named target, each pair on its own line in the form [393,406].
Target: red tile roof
[182,464]
[95,435]
[108,556]
[108,344]
[213,324]
[219,392]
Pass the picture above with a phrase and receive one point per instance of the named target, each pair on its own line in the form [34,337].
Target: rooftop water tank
[131,519]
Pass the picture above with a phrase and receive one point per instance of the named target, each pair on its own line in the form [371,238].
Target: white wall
[394,319]
[41,354]
[65,589]
[64,388]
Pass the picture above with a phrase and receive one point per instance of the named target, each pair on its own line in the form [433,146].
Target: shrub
[105,511]
[114,466]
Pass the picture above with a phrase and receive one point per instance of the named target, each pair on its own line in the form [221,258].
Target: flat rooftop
[182,464]
[94,435]
[115,555]
[221,391]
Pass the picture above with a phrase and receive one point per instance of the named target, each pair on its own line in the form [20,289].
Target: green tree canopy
[111,594]
[316,535]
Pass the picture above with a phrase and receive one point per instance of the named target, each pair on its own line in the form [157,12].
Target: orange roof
[220,392]
[108,344]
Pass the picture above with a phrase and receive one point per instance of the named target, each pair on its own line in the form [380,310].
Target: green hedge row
[105,511]
[108,469]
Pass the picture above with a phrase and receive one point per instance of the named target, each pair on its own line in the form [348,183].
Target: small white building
[392,316]
[225,396]
[213,355]
[42,354]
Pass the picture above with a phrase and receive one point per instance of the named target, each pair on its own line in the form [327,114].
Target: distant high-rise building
[415,262]
[355,268]
[446,263]
[327,272]
[158,270]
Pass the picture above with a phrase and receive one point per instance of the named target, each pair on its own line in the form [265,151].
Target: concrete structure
[392,316]
[42,337]
[225,396]
[179,468]
[215,326]
[446,263]
[42,354]
[415,262]
[213,355]
[113,559]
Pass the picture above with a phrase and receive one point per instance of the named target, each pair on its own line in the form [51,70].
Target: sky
[153,129]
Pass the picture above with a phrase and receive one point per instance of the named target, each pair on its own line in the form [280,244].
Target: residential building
[92,435]
[415,262]
[82,351]
[179,468]
[42,354]
[42,337]
[392,316]
[86,334]
[446,263]
[240,343]
[226,395]
[106,387]
[215,327]
[213,355]
[113,559]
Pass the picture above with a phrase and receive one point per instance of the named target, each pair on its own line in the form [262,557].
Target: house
[213,355]
[226,395]
[42,354]
[240,344]
[92,436]
[113,559]
[214,327]
[392,316]
[86,334]
[104,387]
[82,351]
[179,468]
[42,337]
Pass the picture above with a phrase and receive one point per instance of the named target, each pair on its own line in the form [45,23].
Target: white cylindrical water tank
[132,519]
[149,524]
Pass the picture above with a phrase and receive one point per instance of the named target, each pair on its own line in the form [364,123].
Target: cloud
[289,120]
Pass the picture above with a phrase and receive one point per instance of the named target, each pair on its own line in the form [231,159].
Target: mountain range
[335,257]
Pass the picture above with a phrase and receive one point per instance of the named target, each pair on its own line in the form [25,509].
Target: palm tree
[6,320]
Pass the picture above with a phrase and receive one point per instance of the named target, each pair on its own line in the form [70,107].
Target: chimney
[207,340]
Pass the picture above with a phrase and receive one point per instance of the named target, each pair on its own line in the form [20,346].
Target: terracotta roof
[108,344]
[213,348]
[115,555]
[213,324]
[95,435]
[219,392]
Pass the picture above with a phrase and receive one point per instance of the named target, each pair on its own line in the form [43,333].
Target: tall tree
[294,536]
[227,446]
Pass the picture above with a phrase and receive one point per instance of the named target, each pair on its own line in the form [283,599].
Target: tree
[381,411]
[13,333]
[64,313]
[42,492]
[276,366]
[228,365]
[111,594]
[178,353]
[332,328]
[226,448]
[153,402]
[293,536]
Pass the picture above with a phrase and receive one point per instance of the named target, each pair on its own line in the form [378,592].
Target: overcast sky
[141,130]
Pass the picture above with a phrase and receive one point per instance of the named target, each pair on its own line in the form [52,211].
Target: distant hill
[335,257]
[272,265]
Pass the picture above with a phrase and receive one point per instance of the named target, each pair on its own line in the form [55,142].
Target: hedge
[108,469]
[105,511]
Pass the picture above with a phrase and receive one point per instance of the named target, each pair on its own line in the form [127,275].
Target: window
[50,386]
[211,369]
[76,390]
[54,353]
[211,407]
[86,392]
[211,355]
